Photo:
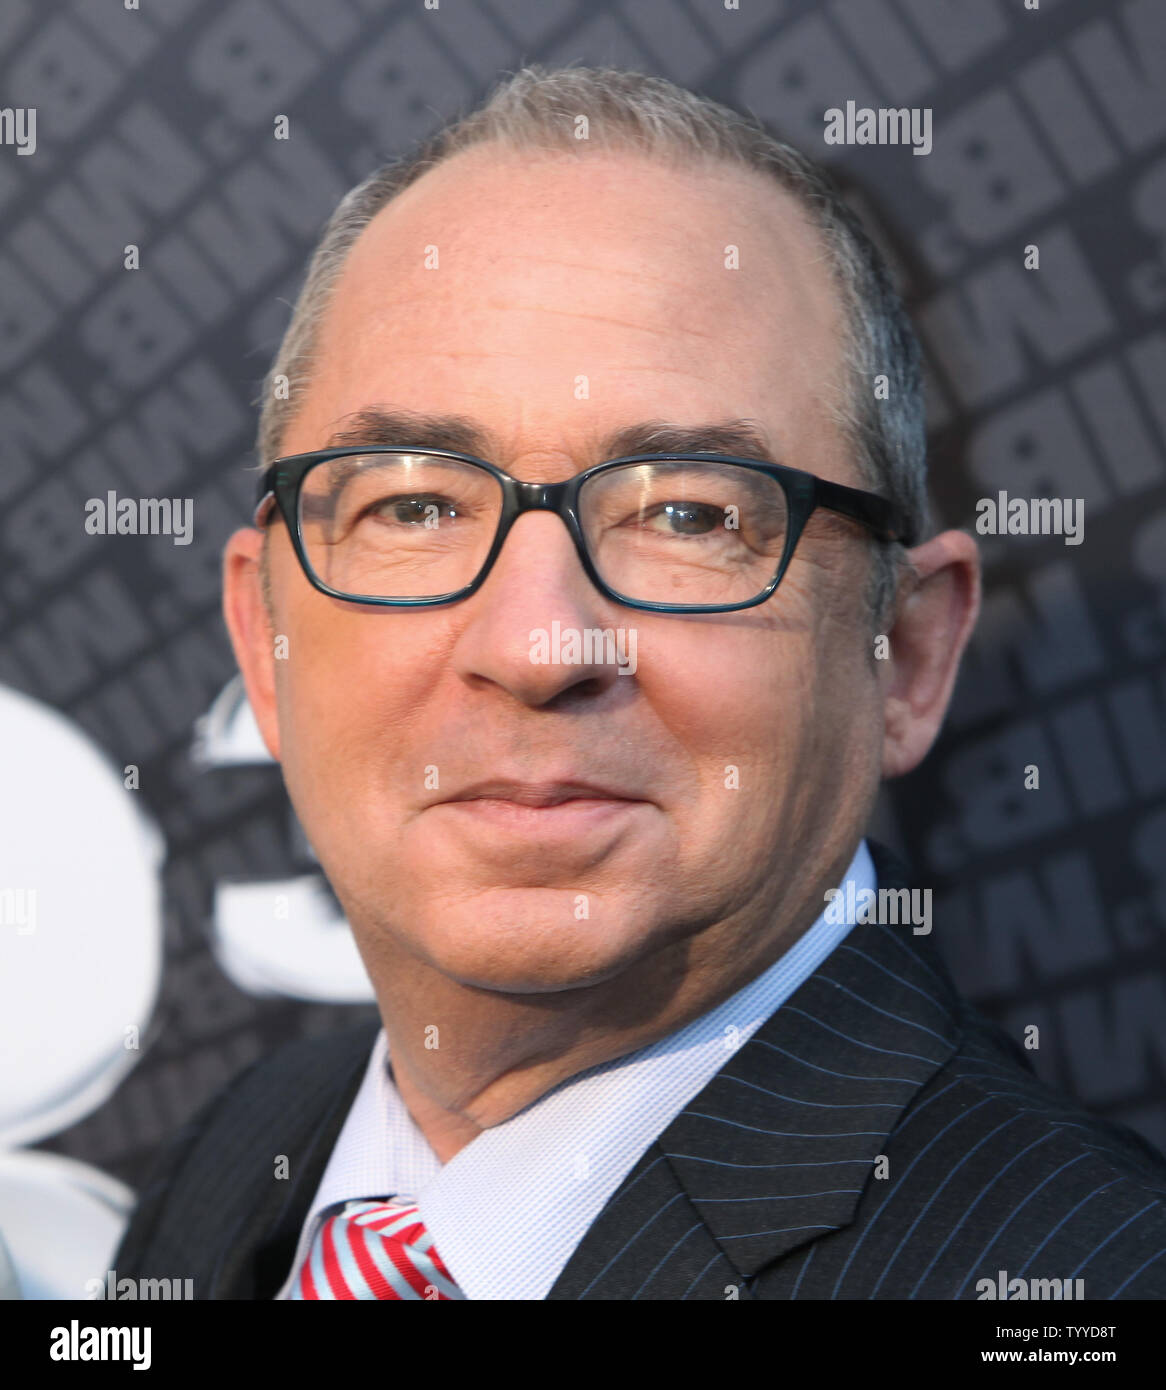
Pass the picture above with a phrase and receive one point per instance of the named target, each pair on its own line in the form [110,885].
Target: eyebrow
[375,425]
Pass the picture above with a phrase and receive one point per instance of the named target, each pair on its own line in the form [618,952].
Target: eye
[686,518]
[414,509]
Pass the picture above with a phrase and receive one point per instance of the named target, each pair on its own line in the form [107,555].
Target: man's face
[744,751]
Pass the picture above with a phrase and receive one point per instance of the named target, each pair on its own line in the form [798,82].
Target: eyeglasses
[700,533]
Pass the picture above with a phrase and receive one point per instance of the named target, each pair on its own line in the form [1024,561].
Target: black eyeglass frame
[804,492]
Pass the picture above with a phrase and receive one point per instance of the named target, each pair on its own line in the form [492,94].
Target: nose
[534,626]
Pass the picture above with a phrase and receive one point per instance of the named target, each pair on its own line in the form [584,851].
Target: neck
[465,1058]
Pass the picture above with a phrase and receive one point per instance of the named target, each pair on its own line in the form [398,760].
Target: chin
[538,948]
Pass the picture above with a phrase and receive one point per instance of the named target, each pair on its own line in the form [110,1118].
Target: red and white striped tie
[374,1249]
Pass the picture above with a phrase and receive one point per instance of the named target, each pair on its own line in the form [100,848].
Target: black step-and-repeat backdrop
[153,232]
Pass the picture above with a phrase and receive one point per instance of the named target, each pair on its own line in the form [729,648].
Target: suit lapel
[776,1149]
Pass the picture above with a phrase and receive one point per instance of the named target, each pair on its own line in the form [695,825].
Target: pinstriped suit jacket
[875,1138]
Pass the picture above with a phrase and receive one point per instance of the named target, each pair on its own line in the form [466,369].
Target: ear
[252,635]
[934,618]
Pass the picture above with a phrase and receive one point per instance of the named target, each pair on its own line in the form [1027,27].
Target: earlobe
[249,625]
[932,625]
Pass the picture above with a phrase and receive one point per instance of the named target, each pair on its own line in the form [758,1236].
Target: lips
[541,794]
[539,827]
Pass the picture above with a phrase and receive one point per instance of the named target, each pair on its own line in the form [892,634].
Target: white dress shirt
[507,1211]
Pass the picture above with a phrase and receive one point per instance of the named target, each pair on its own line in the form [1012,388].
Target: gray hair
[536,108]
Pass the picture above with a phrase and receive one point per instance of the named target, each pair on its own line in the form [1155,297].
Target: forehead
[548,293]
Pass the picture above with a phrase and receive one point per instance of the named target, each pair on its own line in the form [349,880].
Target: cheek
[782,696]
[736,697]
[347,695]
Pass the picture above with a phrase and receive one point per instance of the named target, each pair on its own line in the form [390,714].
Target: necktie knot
[374,1248]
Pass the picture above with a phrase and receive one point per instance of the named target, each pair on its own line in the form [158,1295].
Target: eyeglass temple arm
[310,508]
[879,514]
[263,503]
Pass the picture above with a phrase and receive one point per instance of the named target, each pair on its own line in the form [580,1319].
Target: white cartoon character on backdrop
[81,965]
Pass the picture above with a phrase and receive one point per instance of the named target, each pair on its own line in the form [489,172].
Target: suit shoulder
[303,1064]
[1044,1188]
[992,1065]
[292,1077]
